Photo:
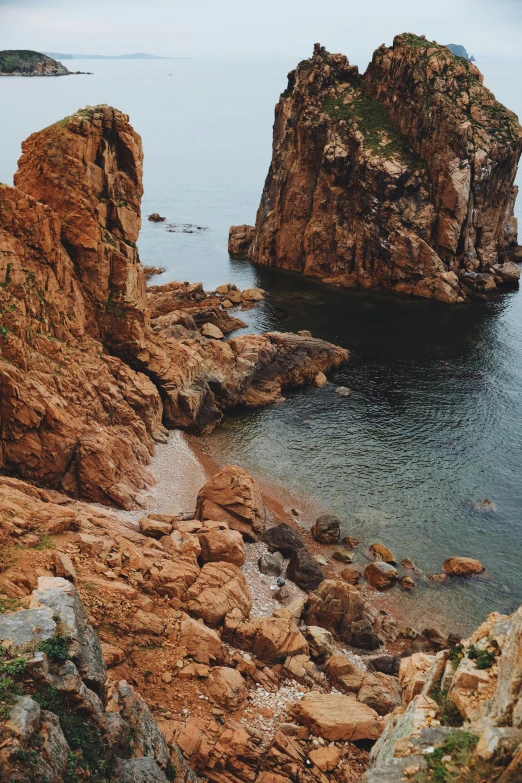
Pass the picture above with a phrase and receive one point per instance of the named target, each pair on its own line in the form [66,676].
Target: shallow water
[434,420]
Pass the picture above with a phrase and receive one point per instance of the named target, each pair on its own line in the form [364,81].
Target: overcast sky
[250,28]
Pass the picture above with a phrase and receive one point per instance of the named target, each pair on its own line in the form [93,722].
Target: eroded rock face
[233,496]
[87,382]
[400,179]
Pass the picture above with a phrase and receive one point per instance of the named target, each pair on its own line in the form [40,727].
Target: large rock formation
[87,382]
[399,179]
[24,62]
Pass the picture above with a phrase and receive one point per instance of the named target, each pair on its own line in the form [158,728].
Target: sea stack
[399,179]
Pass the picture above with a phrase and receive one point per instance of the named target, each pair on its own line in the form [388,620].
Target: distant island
[25,62]
[136,56]
[460,52]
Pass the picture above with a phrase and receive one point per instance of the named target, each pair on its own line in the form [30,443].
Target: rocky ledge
[93,367]
[399,179]
[23,62]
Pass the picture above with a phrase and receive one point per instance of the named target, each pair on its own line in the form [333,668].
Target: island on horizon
[135,56]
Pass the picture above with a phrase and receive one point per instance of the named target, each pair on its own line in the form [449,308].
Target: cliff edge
[398,179]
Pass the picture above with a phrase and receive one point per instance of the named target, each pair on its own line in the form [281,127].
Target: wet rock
[320,380]
[226,687]
[337,717]
[381,553]
[271,563]
[327,529]
[156,218]
[343,391]
[351,575]
[282,538]
[222,545]
[343,556]
[462,566]
[233,496]
[239,240]
[382,576]
[304,570]
[407,583]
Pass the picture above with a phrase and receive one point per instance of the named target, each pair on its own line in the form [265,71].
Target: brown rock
[239,240]
[337,717]
[381,553]
[334,605]
[325,759]
[112,655]
[327,529]
[282,538]
[201,643]
[146,622]
[382,576]
[224,545]
[351,575]
[154,528]
[182,545]
[321,195]
[63,566]
[212,331]
[232,496]
[226,687]
[219,588]
[175,578]
[271,639]
[407,583]
[462,566]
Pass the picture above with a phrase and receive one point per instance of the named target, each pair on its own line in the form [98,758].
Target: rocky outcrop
[88,382]
[24,62]
[464,703]
[233,496]
[64,720]
[399,179]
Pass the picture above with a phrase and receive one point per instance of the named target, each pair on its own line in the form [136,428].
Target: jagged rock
[63,566]
[155,217]
[239,240]
[202,644]
[282,538]
[335,606]
[154,528]
[219,588]
[233,496]
[337,717]
[382,576]
[175,578]
[393,143]
[271,639]
[320,641]
[327,529]
[212,331]
[352,575]
[462,566]
[222,545]
[143,770]
[271,563]
[325,759]
[362,634]
[181,544]
[304,570]
[226,687]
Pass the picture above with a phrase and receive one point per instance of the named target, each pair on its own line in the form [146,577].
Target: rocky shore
[195,631]
[399,179]
[22,62]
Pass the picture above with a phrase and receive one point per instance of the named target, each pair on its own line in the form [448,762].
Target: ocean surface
[433,424]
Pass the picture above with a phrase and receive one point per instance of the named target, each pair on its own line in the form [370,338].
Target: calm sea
[434,421]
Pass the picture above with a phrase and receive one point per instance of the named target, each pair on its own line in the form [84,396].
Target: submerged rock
[462,566]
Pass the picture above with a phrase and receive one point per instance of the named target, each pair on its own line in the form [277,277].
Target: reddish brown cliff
[86,382]
[399,179]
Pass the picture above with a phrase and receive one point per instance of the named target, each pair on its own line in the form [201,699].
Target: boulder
[381,553]
[233,496]
[253,295]
[407,583]
[222,545]
[181,545]
[282,538]
[343,555]
[304,570]
[325,759]
[212,331]
[462,566]
[382,576]
[271,639]
[219,588]
[362,634]
[271,563]
[226,687]
[380,692]
[201,643]
[239,240]
[334,605]
[320,641]
[327,529]
[320,380]
[175,578]
[351,575]
[154,528]
[337,717]
[63,566]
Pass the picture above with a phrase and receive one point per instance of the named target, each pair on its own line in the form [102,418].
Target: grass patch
[8,604]
[56,648]
[11,675]
[447,713]
[484,659]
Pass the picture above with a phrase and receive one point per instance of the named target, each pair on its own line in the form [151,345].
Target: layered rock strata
[88,381]
[399,179]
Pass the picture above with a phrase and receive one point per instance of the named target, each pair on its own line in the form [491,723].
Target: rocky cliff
[87,380]
[400,179]
[23,62]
